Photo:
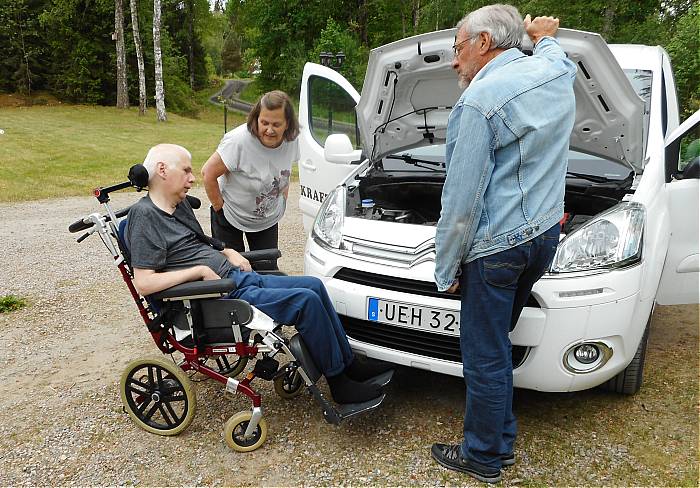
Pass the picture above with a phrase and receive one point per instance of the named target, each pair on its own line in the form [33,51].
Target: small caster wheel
[290,384]
[230,365]
[234,432]
[158,396]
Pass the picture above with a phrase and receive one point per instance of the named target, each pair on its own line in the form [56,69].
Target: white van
[371,174]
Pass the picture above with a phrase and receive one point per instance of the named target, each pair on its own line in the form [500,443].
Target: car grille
[413,341]
[424,288]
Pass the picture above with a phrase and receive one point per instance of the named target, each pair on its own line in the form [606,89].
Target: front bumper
[565,311]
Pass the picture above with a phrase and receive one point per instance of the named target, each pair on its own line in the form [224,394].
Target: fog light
[586,353]
[586,357]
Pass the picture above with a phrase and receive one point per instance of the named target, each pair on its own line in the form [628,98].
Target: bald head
[170,154]
[170,175]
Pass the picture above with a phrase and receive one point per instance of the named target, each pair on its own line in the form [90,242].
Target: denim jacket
[506,157]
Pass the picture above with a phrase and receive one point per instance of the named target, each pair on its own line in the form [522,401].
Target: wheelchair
[216,336]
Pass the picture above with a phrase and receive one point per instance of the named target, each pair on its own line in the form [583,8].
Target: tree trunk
[362,21]
[122,87]
[415,15]
[190,34]
[608,19]
[437,16]
[25,56]
[158,61]
[139,57]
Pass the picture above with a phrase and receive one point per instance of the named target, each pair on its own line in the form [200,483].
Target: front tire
[235,428]
[629,380]
[289,385]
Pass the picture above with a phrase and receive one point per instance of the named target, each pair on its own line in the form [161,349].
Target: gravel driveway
[63,424]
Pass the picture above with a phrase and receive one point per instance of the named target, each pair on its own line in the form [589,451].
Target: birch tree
[190,40]
[122,87]
[139,57]
[158,61]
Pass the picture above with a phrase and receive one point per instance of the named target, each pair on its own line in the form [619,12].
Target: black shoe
[451,458]
[508,460]
[344,390]
[366,368]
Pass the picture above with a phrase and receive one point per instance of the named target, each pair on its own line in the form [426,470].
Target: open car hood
[410,88]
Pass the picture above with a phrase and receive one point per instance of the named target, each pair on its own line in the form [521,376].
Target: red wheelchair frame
[158,394]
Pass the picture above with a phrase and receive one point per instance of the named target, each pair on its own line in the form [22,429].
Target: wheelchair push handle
[85,223]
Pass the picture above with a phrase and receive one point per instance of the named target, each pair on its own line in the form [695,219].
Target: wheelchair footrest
[381,380]
[345,411]
[351,409]
[334,414]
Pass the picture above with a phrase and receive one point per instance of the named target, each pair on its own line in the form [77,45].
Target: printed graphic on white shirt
[266,202]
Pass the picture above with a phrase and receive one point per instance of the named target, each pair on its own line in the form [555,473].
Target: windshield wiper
[407,158]
[593,178]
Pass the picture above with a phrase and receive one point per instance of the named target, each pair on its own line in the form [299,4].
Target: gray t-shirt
[257,176]
[160,242]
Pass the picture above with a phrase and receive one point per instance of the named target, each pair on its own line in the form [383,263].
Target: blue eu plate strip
[373,309]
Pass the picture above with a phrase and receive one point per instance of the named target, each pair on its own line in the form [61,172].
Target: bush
[10,303]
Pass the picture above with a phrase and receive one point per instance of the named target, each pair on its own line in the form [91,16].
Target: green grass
[251,92]
[66,150]
[10,303]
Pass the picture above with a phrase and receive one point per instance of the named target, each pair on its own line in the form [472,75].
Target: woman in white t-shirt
[247,177]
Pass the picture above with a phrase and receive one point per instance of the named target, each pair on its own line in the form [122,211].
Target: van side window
[331,111]
[689,150]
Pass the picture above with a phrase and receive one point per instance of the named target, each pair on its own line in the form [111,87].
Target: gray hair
[502,22]
[170,154]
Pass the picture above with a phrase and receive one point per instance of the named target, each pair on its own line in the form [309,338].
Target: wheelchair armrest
[196,290]
[262,255]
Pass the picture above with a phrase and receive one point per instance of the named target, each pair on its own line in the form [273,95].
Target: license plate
[413,316]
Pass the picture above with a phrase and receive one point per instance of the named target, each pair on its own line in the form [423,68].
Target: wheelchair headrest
[138,176]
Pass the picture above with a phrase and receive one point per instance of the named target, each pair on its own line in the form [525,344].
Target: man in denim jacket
[506,158]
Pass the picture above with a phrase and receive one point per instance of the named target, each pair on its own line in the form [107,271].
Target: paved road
[230,93]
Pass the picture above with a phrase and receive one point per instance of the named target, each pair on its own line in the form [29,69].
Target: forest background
[67,47]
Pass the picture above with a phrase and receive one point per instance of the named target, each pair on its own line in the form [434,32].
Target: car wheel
[629,380]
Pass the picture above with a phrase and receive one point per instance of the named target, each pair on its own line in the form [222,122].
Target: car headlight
[610,240]
[328,226]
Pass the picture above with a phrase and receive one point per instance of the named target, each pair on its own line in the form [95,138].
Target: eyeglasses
[457,47]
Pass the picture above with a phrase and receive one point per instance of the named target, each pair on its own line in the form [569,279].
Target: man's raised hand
[540,27]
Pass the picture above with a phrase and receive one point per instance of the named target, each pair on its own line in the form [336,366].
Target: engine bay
[413,197]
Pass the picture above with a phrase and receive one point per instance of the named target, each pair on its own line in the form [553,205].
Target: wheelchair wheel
[289,385]
[230,364]
[235,428]
[158,396]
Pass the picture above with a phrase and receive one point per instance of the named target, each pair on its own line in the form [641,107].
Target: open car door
[326,106]
[679,279]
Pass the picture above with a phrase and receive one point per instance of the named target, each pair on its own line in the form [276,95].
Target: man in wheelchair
[168,247]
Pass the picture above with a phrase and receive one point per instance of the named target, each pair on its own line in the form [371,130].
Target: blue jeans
[301,301]
[495,289]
